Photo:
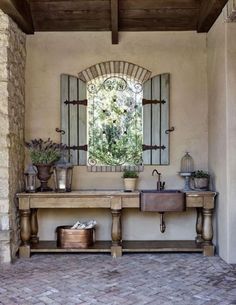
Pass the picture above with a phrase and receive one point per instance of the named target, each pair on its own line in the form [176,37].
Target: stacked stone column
[12,87]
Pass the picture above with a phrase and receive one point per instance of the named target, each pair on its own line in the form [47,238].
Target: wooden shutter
[156,120]
[74,118]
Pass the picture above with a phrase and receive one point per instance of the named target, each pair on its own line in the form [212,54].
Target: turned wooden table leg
[25,233]
[207,232]
[34,226]
[199,224]
[116,234]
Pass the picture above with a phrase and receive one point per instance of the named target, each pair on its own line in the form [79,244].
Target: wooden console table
[29,204]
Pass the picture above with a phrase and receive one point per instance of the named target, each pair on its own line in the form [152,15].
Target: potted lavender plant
[43,155]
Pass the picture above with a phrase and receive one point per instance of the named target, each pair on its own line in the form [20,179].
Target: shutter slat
[64,109]
[155,119]
[73,119]
[147,122]
[82,126]
[165,95]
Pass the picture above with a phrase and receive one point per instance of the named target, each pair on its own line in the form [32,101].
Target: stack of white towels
[84,225]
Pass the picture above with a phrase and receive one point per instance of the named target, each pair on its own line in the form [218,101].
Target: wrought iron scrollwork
[169,130]
[115,105]
[120,85]
[61,131]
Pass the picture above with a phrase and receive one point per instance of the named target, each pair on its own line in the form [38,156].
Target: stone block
[4,172]
[3,55]
[4,222]
[3,72]
[4,97]
[4,188]
[4,41]
[4,123]
[4,21]
[5,252]
[5,235]
[4,157]
[4,142]
[3,105]
[4,206]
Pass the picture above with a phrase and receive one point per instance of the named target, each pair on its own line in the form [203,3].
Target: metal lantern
[187,168]
[30,179]
[63,176]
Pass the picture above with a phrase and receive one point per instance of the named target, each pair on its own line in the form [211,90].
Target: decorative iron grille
[114,121]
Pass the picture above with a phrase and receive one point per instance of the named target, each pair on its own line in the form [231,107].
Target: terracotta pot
[44,174]
[130,184]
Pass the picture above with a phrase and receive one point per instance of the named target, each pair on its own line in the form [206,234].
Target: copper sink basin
[162,201]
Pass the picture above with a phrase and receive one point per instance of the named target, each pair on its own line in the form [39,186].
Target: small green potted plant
[43,155]
[201,180]
[130,180]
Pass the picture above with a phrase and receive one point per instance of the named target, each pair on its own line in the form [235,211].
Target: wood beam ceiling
[114,21]
[113,15]
[209,12]
[20,12]
[71,15]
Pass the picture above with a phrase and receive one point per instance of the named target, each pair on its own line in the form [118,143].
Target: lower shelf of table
[127,246]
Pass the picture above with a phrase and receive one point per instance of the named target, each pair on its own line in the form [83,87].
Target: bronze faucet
[160,185]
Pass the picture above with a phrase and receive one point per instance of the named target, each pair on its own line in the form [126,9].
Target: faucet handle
[162,185]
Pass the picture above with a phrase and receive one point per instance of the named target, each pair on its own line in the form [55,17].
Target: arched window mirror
[115,120]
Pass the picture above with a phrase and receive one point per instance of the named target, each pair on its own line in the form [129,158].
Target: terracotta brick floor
[179,279]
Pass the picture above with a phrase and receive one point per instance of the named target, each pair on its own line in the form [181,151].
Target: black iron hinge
[146,102]
[77,102]
[81,147]
[154,147]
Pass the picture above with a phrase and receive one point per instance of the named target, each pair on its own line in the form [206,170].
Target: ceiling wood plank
[157,25]
[66,15]
[114,22]
[175,15]
[209,12]
[20,12]
[55,5]
[158,4]
[71,25]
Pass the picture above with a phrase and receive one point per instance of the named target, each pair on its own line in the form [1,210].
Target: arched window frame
[156,97]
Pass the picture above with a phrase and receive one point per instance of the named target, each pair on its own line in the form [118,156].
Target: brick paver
[134,279]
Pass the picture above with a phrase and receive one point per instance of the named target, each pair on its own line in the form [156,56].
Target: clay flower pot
[130,184]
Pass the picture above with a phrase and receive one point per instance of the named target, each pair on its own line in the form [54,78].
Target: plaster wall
[216,48]
[183,55]
[231,137]
[221,69]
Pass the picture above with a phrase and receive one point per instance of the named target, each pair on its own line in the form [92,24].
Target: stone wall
[12,87]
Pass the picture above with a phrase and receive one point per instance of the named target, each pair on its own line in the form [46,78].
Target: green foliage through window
[115,121]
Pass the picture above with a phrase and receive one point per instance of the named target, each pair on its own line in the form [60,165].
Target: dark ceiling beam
[114,22]
[19,11]
[209,12]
